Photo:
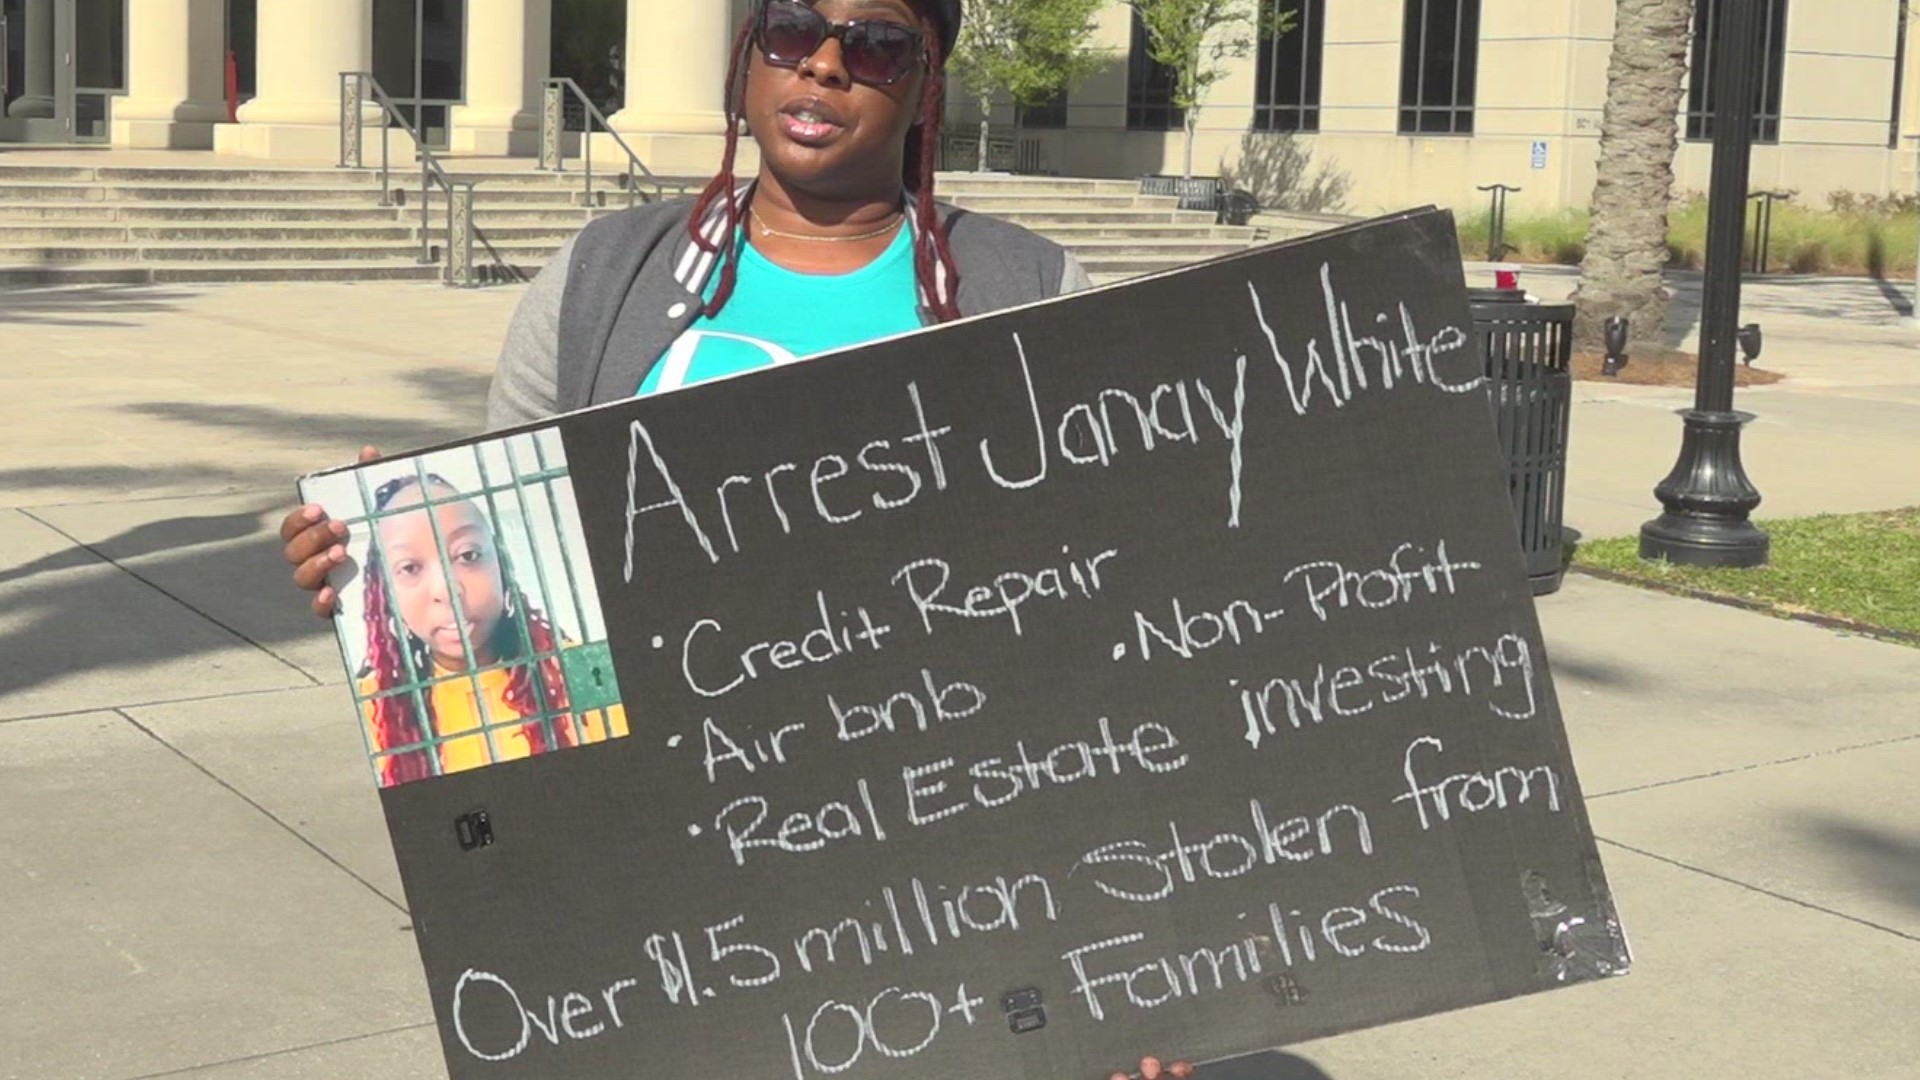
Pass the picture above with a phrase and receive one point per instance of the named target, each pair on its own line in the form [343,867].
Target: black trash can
[1528,351]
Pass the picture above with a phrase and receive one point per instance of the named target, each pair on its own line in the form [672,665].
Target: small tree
[1027,50]
[1196,38]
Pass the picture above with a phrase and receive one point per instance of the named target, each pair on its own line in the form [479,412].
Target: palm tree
[1627,241]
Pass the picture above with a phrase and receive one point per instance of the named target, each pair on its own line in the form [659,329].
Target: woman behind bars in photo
[435,620]
[839,240]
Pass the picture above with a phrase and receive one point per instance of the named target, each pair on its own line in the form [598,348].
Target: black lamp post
[1707,495]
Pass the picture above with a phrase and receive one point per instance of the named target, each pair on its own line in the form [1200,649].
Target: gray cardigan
[616,297]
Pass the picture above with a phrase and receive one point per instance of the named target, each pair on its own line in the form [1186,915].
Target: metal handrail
[354,87]
[1763,227]
[1497,246]
[553,123]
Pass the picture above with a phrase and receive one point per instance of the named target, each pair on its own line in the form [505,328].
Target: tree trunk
[1187,168]
[1627,240]
[986,122]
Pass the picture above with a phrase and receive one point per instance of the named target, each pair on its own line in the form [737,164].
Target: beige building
[1405,101]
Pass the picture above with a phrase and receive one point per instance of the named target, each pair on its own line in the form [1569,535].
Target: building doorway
[419,57]
[242,51]
[62,62]
[589,37]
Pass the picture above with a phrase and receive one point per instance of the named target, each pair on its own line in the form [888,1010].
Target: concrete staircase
[71,224]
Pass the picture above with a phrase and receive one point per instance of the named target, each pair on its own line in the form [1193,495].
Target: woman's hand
[1151,1069]
[315,544]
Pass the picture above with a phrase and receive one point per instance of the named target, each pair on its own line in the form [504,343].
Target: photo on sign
[468,616]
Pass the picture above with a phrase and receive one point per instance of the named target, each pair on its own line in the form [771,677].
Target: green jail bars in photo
[470,621]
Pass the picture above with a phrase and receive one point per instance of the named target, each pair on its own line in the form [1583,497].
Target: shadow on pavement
[150,538]
[453,394]
[122,478]
[1270,1065]
[1888,860]
[1900,302]
[227,565]
[458,397]
[1570,667]
[1864,301]
[91,305]
[269,422]
[96,621]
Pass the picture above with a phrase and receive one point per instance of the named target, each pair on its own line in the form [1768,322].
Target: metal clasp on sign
[473,830]
[1024,1010]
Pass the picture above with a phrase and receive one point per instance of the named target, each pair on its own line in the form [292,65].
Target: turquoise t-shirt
[779,316]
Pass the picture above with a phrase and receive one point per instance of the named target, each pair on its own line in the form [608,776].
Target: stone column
[509,43]
[37,102]
[176,75]
[675,74]
[676,67]
[302,48]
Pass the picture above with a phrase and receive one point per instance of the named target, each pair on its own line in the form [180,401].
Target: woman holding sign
[837,242]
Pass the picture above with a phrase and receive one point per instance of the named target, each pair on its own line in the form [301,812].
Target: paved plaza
[196,878]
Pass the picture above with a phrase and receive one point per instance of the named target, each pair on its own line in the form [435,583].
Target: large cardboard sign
[1150,670]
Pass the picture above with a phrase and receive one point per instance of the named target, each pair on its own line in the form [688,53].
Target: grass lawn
[1861,569]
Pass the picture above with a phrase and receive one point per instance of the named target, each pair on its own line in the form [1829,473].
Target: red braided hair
[931,252]
[396,658]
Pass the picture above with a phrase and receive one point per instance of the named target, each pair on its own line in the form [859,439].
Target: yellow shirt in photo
[456,709]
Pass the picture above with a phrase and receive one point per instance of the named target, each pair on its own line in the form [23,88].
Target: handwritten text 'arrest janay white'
[890,473]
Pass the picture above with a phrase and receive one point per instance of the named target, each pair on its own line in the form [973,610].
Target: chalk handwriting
[1086,433]
[568,1016]
[828,639]
[888,477]
[940,704]
[1162,979]
[910,1026]
[1189,973]
[1141,875]
[1328,586]
[722,748]
[999,781]
[1346,375]
[926,581]
[1501,672]
[1280,876]
[800,831]
[923,916]
[1473,792]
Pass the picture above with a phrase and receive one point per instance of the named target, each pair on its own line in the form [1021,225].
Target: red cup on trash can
[1506,277]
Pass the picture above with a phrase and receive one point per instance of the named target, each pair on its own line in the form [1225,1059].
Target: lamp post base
[1708,499]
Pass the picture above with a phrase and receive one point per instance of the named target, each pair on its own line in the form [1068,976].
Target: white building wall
[1542,78]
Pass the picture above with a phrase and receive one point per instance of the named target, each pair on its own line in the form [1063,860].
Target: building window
[1439,63]
[1289,70]
[1051,113]
[1766,102]
[1150,86]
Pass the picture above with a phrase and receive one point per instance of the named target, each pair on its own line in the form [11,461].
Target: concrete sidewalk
[1841,434]
[196,875]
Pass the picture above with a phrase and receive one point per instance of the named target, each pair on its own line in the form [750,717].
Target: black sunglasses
[876,52]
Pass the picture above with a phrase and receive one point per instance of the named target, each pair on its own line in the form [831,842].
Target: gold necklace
[875,234]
